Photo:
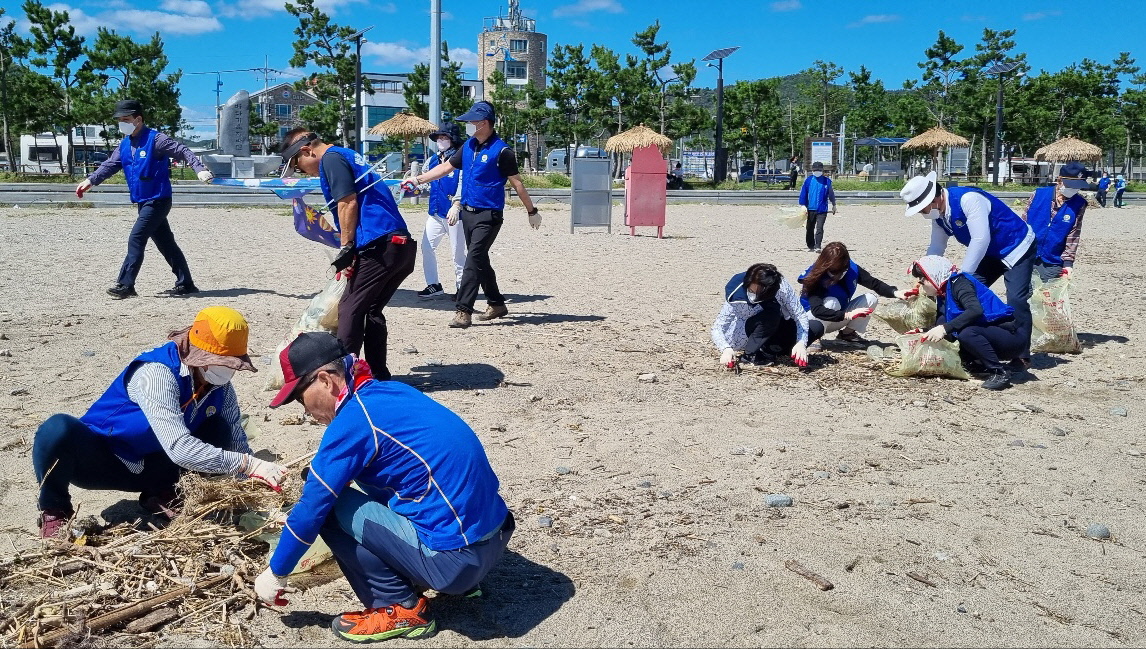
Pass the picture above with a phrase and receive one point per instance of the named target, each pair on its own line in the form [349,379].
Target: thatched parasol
[1069,148]
[407,126]
[934,139]
[635,138]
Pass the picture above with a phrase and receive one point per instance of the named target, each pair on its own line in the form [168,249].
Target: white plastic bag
[1053,327]
[932,358]
[321,314]
[794,217]
[916,312]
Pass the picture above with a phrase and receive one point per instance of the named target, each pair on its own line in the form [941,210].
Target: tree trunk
[4,114]
[983,151]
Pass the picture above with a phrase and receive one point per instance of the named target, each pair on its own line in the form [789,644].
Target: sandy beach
[656,488]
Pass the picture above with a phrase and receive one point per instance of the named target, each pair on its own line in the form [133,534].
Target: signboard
[822,152]
[697,163]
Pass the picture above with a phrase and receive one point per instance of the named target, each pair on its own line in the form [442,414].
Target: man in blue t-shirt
[424,509]
[377,251]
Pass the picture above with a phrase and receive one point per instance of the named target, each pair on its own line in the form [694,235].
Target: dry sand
[660,533]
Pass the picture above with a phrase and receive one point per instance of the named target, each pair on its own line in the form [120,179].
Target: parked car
[763,174]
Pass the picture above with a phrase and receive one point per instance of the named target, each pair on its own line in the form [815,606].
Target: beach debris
[1097,531]
[799,569]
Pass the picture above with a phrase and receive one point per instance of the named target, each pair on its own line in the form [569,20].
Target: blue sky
[776,37]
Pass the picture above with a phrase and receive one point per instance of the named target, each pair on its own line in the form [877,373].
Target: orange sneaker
[377,624]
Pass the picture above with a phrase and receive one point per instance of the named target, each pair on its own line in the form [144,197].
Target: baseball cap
[817,166]
[218,336]
[127,108]
[291,151]
[305,354]
[1073,174]
[479,111]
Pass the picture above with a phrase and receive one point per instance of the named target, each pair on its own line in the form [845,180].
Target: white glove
[727,356]
[270,587]
[535,219]
[268,472]
[205,176]
[454,214]
[936,333]
[800,354]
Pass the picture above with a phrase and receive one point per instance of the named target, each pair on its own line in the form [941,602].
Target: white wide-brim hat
[918,193]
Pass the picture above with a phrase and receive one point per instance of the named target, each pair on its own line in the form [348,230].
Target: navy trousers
[770,334]
[151,223]
[992,344]
[1018,283]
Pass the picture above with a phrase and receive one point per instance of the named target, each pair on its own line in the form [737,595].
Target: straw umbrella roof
[404,125]
[935,138]
[635,138]
[1069,148]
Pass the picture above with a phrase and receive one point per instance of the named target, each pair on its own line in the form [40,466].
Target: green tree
[870,112]
[570,78]
[260,128]
[417,88]
[941,72]
[125,69]
[57,48]
[534,115]
[13,103]
[326,45]
[820,93]
[753,115]
[978,91]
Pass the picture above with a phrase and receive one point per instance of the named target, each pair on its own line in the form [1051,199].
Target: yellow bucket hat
[218,336]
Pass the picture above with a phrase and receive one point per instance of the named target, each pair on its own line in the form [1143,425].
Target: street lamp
[663,84]
[719,171]
[1000,69]
[359,141]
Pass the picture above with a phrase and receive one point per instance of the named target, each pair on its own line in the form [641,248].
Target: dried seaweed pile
[116,585]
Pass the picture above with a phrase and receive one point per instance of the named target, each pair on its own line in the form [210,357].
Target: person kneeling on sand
[762,316]
[426,511]
[971,313]
[173,409]
[828,287]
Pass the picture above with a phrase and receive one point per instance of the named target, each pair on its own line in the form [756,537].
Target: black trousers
[1018,283]
[151,223]
[770,334]
[66,452]
[378,272]
[481,230]
[815,229]
[992,344]
[1100,196]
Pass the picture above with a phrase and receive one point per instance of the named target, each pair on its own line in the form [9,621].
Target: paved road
[193,194]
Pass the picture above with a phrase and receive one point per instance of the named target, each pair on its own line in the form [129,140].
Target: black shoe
[182,289]
[759,359]
[119,291]
[1000,379]
[431,290]
[1020,364]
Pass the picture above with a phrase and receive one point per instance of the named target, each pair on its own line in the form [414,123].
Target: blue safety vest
[994,309]
[1051,231]
[118,418]
[148,175]
[443,188]
[378,214]
[483,186]
[1103,183]
[814,193]
[842,290]
[1007,229]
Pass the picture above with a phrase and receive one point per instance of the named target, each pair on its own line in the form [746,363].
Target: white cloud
[257,8]
[588,6]
[144,21]
[1039,15]
[400,55]
[189,7]
[874,19]
[786,5]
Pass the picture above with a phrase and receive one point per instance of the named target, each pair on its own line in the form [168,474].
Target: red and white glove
[1066,271]
[268,472]
[728,357]
[800,354]
[270,588]
[936,333]
[858,313]
[83,187]
[908,293]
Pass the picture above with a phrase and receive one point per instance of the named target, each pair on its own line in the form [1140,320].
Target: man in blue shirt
[424,510]
[1103,185]
[815,194]
[487,164]
[145,156]
[377,252]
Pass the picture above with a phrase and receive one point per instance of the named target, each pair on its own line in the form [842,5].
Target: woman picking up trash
[971,313]
[762,316]
[828,289]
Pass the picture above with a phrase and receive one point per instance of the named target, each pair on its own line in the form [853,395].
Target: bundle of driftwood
[195,573]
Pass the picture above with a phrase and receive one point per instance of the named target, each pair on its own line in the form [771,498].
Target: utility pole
[435,115]
[359,122]
[720,155]
[1000,69]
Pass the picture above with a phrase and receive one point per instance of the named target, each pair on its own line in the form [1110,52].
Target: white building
[48,152]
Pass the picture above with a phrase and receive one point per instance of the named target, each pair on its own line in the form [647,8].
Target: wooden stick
[300,459]
[921,579]
[820,582]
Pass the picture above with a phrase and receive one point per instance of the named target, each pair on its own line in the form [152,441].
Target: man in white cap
[999,243]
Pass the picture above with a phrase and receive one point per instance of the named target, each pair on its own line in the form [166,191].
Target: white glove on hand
[268,472]
[205,176]
[800,354]
[454,214]
[270,587]
[727,356]
[934,334]
[535,220]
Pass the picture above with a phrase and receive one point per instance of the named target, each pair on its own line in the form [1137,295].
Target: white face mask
[1068,191]
[127,128]
[752,297]
[471,129]
[218,375]
[817,174]
[444,144]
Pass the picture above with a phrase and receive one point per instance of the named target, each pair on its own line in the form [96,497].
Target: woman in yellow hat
[172,409]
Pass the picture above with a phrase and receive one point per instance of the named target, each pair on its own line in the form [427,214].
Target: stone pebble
[1097,531]
[778,500]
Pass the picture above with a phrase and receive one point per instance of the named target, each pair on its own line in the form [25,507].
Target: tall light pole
[359,141]
[719,171]
[1000,69]
[436,61]
[664,84]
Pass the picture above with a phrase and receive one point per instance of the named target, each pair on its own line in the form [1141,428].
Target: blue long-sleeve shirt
[816,193]
[407,451]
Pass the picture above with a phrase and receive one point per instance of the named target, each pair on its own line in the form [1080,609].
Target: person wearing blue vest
[971,313]
[1119,189]
[443,220]
[829,293]
[1055,214]
[173,409]
[1103,186]
[487,164]
[377,253]
[999,243]
[145,156]
[815,195]
[424,509]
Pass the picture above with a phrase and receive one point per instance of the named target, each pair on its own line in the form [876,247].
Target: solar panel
[720,54]
[1002,68]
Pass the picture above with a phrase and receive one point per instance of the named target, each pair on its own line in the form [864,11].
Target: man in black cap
[1055,215]
[145,156]
[815,195]
[487,163]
